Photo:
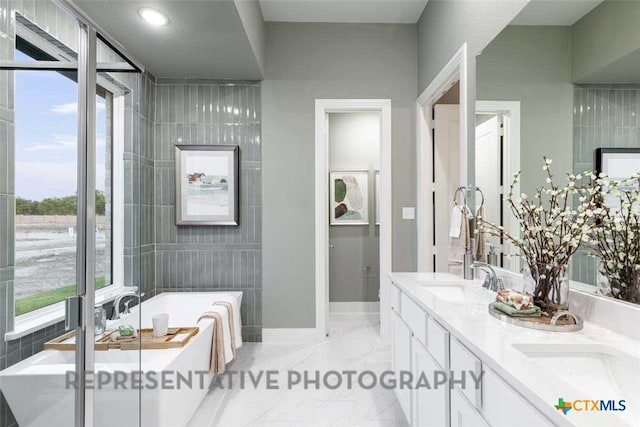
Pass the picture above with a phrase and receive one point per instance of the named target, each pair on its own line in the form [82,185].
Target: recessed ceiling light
[153,17]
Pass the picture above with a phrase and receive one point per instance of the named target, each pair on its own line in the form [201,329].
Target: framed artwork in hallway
[349,197]
[207,184]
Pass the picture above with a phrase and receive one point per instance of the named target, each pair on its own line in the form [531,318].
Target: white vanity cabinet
[429,406]
[421,344]
[413,352]
[504,407]
[401,359]
[465,415]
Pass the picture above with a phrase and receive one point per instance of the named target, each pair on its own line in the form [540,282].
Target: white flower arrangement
[616,237]
[551,230]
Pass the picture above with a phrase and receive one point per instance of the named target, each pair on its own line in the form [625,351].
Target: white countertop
[492,341]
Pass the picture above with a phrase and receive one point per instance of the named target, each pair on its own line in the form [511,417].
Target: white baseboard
[285,335]
[355,307]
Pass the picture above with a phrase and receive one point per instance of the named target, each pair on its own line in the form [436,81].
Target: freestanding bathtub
[37,392]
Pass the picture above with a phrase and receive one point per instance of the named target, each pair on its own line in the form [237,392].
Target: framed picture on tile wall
[349,197]
[617,163]
[207,184]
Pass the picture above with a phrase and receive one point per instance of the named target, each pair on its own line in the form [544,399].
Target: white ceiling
[554,12]
[343,11]
[204,39]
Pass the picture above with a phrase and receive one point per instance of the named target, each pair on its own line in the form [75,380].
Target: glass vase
[550,290]
[622,283]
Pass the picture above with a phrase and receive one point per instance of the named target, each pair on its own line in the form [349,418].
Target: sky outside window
[46,134]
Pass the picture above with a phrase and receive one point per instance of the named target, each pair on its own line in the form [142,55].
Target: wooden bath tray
[175,338]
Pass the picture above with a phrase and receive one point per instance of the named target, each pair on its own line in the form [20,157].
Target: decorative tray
[564,321]
[175,338]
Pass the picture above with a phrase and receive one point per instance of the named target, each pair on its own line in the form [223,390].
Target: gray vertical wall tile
[614,124]
[208,258]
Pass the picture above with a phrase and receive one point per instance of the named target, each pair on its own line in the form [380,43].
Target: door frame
[458,69]
[510,111]
[322,108]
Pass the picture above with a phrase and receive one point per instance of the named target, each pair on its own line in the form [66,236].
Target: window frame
[34,320]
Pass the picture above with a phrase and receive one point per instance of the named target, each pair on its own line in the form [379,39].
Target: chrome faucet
[116,303]
[491,281]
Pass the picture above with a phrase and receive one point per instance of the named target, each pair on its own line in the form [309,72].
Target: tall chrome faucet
[491,281]
[116,303]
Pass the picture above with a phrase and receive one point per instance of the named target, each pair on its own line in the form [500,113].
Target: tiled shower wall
[139,251]
[603,116]
[10,352]
[210,258]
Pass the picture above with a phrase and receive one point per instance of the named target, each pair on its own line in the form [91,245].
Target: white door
[446,167]
[488,168]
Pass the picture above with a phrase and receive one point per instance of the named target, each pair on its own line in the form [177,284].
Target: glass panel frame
[86,66]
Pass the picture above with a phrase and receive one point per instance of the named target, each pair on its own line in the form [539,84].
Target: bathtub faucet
[116,303]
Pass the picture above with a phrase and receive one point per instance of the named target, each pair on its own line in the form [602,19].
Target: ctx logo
[590,405]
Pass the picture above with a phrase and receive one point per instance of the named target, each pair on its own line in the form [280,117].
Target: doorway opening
[447,256]
[353,209]
[443,110]
[497,158]
[354,238]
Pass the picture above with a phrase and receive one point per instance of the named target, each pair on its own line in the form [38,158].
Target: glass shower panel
[39,220]
[118,201]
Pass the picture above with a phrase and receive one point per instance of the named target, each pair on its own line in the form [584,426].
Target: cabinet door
[429,405]
[504,407]
[402,360]
[463,414]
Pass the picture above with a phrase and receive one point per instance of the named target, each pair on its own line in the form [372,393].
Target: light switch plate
[408,213]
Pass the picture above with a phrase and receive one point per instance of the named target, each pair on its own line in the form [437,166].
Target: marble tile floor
[354,344]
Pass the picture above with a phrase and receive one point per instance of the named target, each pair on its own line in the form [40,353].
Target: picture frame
[624,161]
[617,163]
[349,197]
[207,184]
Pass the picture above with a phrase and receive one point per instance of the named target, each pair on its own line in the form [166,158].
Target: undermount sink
[594,368]
[449,292]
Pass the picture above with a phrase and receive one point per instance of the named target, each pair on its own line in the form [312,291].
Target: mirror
[561,81]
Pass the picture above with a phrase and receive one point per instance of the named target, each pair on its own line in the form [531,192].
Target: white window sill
[35,320]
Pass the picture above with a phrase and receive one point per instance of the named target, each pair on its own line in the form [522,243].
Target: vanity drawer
[437,342]
[462,360]
[504,407]
[395,298]
[414,316]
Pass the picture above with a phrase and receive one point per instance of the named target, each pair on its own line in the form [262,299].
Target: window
[45,106]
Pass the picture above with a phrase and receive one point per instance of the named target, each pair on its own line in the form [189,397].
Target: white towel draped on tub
[226,332]
[237,321]
[219,356]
